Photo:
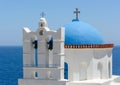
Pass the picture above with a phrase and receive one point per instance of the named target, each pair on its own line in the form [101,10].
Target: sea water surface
[11,63]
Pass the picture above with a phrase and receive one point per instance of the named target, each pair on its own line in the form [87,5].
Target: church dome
[78,32]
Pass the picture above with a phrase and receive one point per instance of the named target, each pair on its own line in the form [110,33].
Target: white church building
[75,54]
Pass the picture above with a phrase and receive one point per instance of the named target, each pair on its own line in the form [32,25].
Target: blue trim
[36,57]
[65,70]
[36,74]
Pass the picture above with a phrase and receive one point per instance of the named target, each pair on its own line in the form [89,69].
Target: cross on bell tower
[42,14]
[76,12]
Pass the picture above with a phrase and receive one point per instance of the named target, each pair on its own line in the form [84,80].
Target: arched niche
[100,68]
[109,69]
[83,70]
[36,75]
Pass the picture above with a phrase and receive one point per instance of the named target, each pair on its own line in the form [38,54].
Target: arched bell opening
[35,46]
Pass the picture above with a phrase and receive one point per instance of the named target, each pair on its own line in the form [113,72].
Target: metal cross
[76,12]
[42,14]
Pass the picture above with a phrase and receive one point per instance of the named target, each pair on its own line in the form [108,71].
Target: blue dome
[78,32]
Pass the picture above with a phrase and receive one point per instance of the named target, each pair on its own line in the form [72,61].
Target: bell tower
[43,56]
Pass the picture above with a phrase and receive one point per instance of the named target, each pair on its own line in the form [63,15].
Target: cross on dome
[42,14]
[76,12]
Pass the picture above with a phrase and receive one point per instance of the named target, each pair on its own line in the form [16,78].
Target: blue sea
[11,64]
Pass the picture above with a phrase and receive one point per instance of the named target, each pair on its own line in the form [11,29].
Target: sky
[104,15]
